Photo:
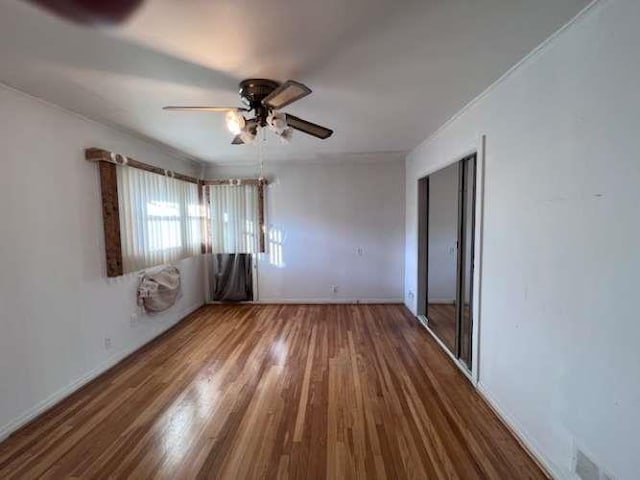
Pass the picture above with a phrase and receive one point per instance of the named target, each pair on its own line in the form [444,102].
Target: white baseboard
[64,392]
[329,300]
[520,434]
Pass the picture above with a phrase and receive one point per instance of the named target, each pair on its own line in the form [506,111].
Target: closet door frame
[462,261]
[479,150]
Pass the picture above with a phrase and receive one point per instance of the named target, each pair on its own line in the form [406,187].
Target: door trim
[480,152]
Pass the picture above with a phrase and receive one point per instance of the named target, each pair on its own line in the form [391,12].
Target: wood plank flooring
[442,322]
[275,392]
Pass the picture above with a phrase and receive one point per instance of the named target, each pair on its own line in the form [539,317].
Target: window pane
[160,218]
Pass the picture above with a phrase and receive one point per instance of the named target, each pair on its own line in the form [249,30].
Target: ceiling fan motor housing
[253,91]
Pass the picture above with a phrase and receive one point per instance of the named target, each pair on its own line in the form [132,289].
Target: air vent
[585,468]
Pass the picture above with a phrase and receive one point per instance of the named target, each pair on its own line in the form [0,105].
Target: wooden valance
[100,155]
[108,162]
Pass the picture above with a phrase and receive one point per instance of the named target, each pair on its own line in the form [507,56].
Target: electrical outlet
[107,343]
[411,295]
[334,288]
[360,251]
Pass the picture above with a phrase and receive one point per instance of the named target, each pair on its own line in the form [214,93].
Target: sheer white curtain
[159,218]
[234,218]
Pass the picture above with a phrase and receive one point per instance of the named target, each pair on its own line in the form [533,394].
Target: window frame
[108,162]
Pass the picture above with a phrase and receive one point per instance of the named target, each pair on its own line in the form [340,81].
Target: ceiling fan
[91,12]
[265,98]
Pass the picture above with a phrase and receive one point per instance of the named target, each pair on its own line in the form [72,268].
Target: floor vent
[587,469]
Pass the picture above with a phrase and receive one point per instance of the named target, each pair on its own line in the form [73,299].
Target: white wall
[443,235]
[325,212]
[559,320]
[56,304]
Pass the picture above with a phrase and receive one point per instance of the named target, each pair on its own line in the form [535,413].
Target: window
[153,217]
[235,226]
[159,218]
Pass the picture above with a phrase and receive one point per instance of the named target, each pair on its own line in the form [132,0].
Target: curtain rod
[101,155]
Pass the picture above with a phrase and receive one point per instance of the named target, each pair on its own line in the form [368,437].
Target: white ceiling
[385,73]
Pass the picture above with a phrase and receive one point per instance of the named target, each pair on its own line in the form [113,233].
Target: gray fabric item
[231,277]
[159,290]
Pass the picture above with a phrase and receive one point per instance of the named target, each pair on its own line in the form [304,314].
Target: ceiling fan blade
[91,12]
[308,127]
[289,92]
[237,140]
[203,109]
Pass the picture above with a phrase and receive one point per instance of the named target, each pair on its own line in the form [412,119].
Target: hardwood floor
[442,322]
[275,392]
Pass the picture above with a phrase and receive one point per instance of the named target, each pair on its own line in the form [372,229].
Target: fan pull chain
[261,150]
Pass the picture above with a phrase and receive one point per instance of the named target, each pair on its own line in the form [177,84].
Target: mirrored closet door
[447,225]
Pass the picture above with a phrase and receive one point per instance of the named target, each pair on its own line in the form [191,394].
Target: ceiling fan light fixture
[285,136]
[264,98]
[250,131]
[247,137]
[235,122]
[277,122]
